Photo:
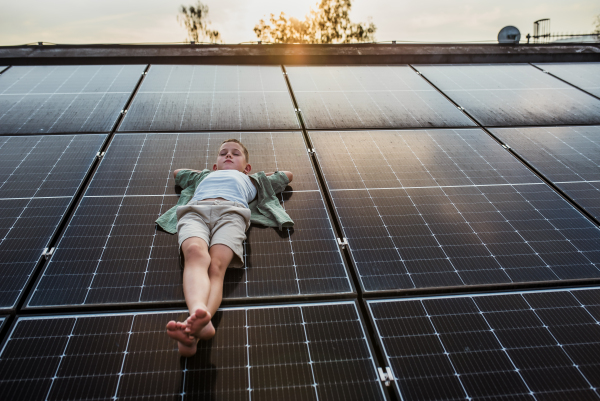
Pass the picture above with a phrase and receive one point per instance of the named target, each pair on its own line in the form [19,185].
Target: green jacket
[265,208]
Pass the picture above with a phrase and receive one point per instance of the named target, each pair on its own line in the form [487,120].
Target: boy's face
[231,157]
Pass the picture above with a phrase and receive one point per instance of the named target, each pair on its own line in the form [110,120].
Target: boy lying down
[211,218]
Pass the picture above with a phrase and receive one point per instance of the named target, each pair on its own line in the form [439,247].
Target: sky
[151,21]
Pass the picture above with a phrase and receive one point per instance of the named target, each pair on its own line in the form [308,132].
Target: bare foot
[185,342]
[199,325]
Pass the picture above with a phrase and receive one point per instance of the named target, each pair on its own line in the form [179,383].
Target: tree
[329,23]
[597,25]
[195,20]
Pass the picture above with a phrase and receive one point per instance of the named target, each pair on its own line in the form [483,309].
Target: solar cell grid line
[45,166]
[211,97]
[581,75]
[262,353]
[370,97]
[111,251]
[522,345]
[480,228]
[513,95]
[38,178]
[64,99]
[567,156]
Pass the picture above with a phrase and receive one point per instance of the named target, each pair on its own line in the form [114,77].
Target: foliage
[329,23]
[195,20]
[597,25]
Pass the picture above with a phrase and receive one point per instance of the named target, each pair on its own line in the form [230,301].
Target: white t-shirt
[227,184]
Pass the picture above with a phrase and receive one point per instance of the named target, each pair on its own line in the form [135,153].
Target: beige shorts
[216,222]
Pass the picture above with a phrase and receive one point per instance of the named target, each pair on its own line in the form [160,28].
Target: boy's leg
[220,257]
[196,289]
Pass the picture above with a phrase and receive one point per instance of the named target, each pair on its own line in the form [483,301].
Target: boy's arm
[186,177]
[179,169]
[288,174]
[279,180]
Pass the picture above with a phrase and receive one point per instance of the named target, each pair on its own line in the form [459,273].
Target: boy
[211,229]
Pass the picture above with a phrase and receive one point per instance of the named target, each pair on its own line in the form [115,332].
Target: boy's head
[233,155]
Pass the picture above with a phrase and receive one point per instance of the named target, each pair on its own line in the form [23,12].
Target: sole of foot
[199,325]
[176,330]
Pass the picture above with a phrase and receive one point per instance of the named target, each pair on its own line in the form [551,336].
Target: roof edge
[298,54]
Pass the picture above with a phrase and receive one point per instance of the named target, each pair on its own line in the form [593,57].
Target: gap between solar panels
[39,182]
[566,156]
[513,95]
[334,218]
[18,304]
[568,78]
[515,154]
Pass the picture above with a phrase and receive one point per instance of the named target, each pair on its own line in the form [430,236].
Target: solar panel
[51,99]
[45,166]
[582,75]
[567,156]
[38,177]
[527,345]
[513,94]
[370,97]
[111,251]
[269,353]
[438,208]
[211,97]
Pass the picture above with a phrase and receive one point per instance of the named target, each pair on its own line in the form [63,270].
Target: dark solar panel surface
[567,156]
[45,166]
[370,97]
[50,99]
[462,211]
[527,345]
[259,353]
[38,177]
[421,209]
[513,94]
[583,75]
[210,97]
[111,251]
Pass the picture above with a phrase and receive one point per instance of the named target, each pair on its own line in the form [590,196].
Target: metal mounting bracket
[47,253]
[386,377]
[123,112]
[461,108]
[343,243]
[506,146]
[100,155]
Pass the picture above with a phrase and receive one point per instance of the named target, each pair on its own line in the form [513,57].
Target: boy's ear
[215,167]
[247,168]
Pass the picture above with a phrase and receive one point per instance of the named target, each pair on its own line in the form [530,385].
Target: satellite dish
[509,34]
